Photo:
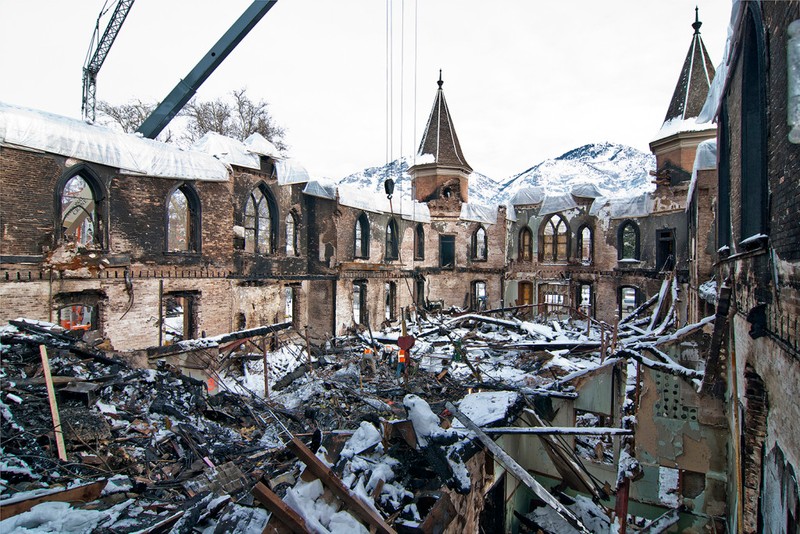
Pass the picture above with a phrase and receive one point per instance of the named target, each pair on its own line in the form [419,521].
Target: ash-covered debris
[344,438]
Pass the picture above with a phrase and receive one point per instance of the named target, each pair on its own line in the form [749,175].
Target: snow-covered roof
[623,208]
[472,211]
[131,153]
[586,191]
[227,149]
[704,159]
[528,195]
[259,144]
[555,202]
[678,125]
[357,197]
[291,172]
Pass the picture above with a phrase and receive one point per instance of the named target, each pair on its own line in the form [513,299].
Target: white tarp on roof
[291,172]
[320,188]
[98,144]
[258,144]
[704,159]
[556,202]
[585,191]
[678,125]
[528,195]
[227,149]
[623,208]
[471,211]
[357,197]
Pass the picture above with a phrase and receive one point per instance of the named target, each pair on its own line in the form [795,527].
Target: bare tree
[236,116]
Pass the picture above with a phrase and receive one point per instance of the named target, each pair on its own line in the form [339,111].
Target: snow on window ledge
[629,260]
[754,241]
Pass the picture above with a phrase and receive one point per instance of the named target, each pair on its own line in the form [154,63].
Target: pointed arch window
[291,235]
[260,218]
[79,213]
[554,239]
[479,244]
[585,245]
[361,242]
[525,244]
[628,241]
[392,248]
[419,242]
[754,131]
[183,220]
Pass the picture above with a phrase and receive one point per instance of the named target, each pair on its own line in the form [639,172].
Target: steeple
[440,177]
[440,139]
[695,79]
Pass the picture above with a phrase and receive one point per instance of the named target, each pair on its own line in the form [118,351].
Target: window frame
[553,256]
[419,242]
[477,240]
[361,237]
[478,303]
[525,249]
[272,216]
[97,189]
[628,223]
[392,251]
[193,219]
[637,297]
[292,242]
[450,240]
[581,243]
[362,318]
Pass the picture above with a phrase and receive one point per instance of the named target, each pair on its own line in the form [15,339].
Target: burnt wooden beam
[84,493]
[279,509]
[714,379]
[519,472]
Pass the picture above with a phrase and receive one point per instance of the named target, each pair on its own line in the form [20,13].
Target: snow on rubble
[161,450]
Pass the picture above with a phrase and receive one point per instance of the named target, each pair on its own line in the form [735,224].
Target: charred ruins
[212,340]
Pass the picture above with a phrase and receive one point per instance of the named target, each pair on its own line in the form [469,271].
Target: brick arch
[754,431]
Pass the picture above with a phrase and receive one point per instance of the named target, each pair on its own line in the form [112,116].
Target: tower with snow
[440,176]
[676,142]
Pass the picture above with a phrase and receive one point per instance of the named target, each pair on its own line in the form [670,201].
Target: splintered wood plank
[519,472]
[335,484]
[80,494]
[280,510]
[51,395]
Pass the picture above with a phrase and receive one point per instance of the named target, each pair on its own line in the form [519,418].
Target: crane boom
[96,58]
[187,87]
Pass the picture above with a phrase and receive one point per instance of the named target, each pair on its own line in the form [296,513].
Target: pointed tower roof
[440,139]
[695,79]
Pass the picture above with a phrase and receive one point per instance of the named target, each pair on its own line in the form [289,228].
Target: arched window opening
[291,235]
[585,245]
[79,221]
[419,242]
[183,220]
[555,239]
[525,244]
[361,242]
[754,133]
[628,241]
[479,244]
[259,222]
[392,248]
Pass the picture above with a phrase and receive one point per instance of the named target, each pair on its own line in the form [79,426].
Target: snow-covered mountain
[482,189]
[616,170]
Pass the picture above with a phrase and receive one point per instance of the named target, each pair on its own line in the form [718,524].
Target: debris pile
[344,438]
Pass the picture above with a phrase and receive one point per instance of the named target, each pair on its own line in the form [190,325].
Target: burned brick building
[145,244]
[756,254]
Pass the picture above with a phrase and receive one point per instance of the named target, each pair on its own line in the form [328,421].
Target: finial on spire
[440,82]
[697,22]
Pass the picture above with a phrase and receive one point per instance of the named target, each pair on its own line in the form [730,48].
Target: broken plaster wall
[681,444]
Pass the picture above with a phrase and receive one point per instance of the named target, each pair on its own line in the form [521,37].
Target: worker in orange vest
[401,362]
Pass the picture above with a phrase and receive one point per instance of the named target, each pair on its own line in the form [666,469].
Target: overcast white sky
[525,80]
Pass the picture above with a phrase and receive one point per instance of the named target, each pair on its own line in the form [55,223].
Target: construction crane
[98,50]
[187,87]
